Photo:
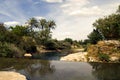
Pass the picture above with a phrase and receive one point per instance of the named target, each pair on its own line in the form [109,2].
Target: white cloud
[92,11]
[54,1]
[74,3]
[78,8]
[39,17]
[12,23]
[74,18]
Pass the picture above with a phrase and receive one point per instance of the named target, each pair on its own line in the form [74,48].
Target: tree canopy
[107,27]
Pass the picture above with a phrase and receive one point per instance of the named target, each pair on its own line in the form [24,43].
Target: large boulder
[79,56]
[7,75]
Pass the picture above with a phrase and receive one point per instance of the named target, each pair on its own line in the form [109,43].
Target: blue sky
[74,18]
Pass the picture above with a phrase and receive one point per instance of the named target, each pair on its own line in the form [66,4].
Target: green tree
[33,23]
[69,40]
[45,33]
[94,37]
[51,24]
[42,23]
[20,30]
[109,26]
[2,32]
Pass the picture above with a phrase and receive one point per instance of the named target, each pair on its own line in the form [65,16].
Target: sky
[74,18]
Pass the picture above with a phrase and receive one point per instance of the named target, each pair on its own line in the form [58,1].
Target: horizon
[74,18]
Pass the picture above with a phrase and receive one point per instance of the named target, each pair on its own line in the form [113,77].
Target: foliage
[10,50]
[94,37]
[104,57]
[69,40]
[107,28]
[7,36]
[4,50]
[51,45]
[20,30]
[64,45]
[28,44]
[33,23]
[19,39]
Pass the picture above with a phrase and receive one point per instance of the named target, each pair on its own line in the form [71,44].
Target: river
[35,69]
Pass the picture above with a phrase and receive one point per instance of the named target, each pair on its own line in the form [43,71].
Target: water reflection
[30,68]
[60,70]
[106,71]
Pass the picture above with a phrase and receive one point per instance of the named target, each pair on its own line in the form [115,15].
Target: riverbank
[8,75]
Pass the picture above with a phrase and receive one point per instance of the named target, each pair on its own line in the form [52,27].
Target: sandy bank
[7,75]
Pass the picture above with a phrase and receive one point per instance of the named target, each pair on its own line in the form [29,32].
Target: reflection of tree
[31,67]
[17,64]
[106,71]
[40,67]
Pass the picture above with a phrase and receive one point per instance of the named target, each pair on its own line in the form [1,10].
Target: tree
[109,26]
[45,33]
[20,30]
[33,23]
[51,24]
[2,32]
[94,37]
[42,23]
[69,40]
[2,28]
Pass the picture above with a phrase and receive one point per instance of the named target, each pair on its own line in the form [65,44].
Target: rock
[7,75]
[114,58]
[92,59]
[80,56]
[27,55]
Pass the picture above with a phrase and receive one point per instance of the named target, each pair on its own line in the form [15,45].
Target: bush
[103,57]
[4,50]
[15,51]
[28,44]
[10,50]
[64,45]
[51,45]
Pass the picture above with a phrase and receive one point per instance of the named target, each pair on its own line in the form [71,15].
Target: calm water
[59,70]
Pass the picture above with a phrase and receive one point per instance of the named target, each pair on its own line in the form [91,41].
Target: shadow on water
[60,70]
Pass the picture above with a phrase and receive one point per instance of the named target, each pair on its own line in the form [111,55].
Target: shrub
[15,51]
[10,50]
[50,45]
[103,57]
[64,45]
[4,50]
